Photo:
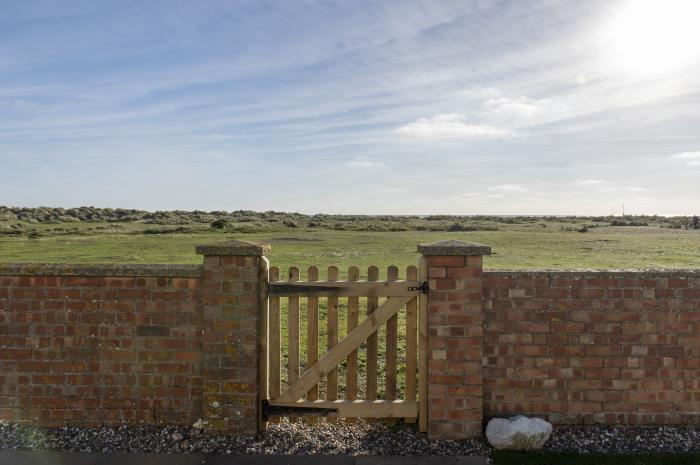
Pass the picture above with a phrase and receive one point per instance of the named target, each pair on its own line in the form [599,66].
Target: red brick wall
[593,347]
[88,345]
[95,345]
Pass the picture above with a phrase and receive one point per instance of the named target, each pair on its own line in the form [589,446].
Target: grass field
[530,245]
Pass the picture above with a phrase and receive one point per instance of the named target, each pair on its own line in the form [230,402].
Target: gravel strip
[358,438]
[609,439]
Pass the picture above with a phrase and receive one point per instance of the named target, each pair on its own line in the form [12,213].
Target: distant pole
[623,209]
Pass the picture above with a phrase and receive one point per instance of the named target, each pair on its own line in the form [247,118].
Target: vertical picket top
[312,329]
[423,349]
[372,342]
[392,325]
[411,338]
[352,320]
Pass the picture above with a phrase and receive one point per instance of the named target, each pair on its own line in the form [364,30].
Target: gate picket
[312,329]
[372,341]
[392,325]
[353,304]
[332,321]
[411,339]
[293,332]
[275,342]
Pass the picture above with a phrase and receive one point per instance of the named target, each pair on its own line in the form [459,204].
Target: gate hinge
[265,410]
[423,287]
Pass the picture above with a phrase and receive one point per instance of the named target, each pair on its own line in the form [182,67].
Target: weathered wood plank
[334,356]
[343,288]
[275,342]
[411,342]
[293,331]
[411,339]
[360,408]
[392,333]
[372,341]
[332,321]
[423,349]
[312,329]
[353,314]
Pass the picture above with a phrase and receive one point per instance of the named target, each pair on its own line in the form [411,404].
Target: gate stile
[301,395]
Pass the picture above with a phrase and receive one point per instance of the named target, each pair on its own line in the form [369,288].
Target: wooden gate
[285,348]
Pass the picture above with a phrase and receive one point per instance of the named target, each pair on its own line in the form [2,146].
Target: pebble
[359,438]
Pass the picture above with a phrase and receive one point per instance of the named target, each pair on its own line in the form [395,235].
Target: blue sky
[405,107]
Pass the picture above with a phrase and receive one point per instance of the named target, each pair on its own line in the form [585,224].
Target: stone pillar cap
[454,247]
[234,247]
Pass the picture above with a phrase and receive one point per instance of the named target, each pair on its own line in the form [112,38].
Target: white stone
[199,424]
[518,433]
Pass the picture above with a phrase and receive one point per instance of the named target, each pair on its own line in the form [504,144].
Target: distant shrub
[166,230]
[220,224]
[460,227]
[628,223]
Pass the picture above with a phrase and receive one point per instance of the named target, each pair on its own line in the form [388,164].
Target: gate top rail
[402,288]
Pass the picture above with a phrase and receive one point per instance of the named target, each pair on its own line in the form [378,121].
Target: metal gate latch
[424,288]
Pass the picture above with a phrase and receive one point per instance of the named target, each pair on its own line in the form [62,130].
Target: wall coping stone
[107,270]
[454,247]
[235,247]
[652,272]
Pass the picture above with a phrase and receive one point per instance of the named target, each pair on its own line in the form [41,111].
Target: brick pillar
[455,317]
[232,289]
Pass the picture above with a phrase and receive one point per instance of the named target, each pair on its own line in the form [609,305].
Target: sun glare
[648,37]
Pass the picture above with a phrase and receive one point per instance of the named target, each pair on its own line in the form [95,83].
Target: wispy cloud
[519,108]
[509,188]
[690,159]
[602,186]
[364,162]
[686,156]
[451,125]
[470,196]
[589,182]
